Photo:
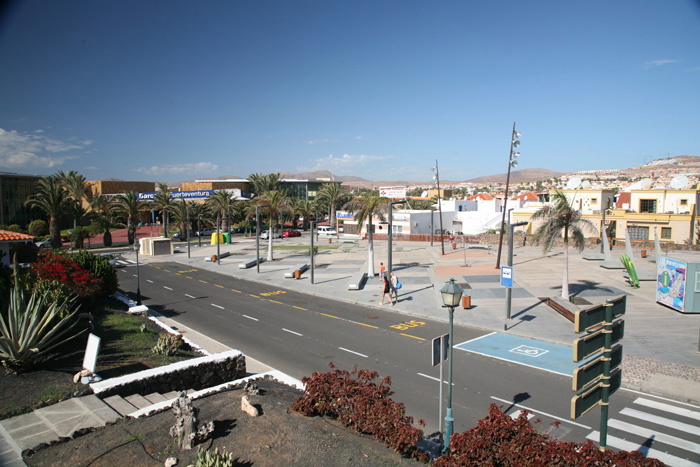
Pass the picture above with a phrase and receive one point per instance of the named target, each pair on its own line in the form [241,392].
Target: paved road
[299,334]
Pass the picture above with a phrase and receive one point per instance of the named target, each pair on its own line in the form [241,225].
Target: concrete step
[120,405]
[138,401]
[155,397]
[170,395]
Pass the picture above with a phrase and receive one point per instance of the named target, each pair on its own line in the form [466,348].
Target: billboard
[671,282]
[393,192]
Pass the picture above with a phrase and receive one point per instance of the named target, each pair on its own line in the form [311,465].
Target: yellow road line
[237,291]
[414,337]
[363,324]
[330,316]
[204,282]
[188,277]
[300,308]
[254,296]
[220,286]
[275,301]
[166,270]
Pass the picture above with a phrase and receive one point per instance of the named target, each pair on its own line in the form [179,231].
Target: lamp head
[514,163]
[451,294]
[516,155]
[516,143]
[516,134]
[136,245]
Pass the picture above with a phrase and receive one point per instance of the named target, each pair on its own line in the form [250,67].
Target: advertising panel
[671,283]
[392,192]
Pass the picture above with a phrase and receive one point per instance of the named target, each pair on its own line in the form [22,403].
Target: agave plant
[31,329]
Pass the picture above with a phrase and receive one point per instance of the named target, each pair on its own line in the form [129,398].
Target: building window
[684,202]
[647,205]
[594,200]
[396,229]
[638,232]
[666,233]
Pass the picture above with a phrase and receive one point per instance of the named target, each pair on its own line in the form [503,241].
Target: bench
[300,267]
[565,308]
[478,246]
[357,280]
[250,263]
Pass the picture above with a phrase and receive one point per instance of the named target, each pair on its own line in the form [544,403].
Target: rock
[249,408]
[170,461]
[80,374]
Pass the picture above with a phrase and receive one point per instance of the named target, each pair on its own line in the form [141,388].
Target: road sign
[445,341]
[506,276]
[595,342]
[591,371]
[589,317]
[582,403]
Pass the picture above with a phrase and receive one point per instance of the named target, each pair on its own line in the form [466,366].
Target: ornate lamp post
[451,294]
[138,277]
[514,144]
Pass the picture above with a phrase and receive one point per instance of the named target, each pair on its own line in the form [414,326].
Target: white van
[326,231]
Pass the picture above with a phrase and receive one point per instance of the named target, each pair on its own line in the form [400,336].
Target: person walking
[382,269]
[394,287]
[387,290]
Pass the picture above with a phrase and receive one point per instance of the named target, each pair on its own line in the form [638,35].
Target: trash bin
[330,240]
[297,274]
[644,253]
[454,246]
[227,240]
[466,301]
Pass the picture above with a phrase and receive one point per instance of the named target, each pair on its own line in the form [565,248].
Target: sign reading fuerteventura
[196,195]
[393,192]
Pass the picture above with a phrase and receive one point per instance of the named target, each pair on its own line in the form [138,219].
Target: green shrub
[15,228]
[206,458]
[100,267]
[38,228]
[24,252]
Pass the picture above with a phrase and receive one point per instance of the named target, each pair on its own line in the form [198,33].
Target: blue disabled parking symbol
[529,351]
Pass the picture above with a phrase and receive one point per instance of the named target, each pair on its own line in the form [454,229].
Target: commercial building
[14,191]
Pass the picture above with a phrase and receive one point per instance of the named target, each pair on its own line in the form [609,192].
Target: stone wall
[202,373]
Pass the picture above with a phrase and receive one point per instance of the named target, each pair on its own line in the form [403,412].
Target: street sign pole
[607,355]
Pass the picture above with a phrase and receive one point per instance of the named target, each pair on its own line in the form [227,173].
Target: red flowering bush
[501,441]
[361,404]
[58,271]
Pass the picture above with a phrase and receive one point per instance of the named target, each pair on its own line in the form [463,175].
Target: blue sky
[178,90]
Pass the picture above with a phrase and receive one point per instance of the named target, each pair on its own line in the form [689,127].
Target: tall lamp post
[436,177]
[514,144]
[138,277]
[199,229]
[390,234]
[257,234]
[187,230]
[311,252]
[451,294]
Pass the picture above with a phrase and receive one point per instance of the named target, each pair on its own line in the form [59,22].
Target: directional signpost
[600,377]
[440,346]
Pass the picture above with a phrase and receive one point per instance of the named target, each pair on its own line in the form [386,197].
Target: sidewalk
[660,344]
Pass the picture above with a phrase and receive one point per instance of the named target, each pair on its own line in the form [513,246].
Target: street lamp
[257,233]
[138,277]
[451,294]
[187,229]
[390,233]
[199,229]
[514,144]
[436,177]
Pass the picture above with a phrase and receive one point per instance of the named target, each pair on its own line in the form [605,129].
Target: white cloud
[346,161]
[359,137]
[19,150]
[662,62]
[199,167]
[320,141]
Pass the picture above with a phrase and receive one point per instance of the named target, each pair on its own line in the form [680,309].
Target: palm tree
[558,215]
[364,207]
[279,205]
[161,201]
[52,198]
[129,205]
[220,202]
[107,217]
[179,213]
[78,189]
[306,209]
[331,192]
[264,183]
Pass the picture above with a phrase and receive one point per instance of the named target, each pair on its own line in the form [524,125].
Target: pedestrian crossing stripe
[619,443]
[125,262]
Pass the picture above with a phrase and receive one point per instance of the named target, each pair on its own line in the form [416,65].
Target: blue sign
[507,276]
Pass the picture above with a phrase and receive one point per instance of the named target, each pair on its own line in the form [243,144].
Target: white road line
[657,397]
[656,454]
[217,306]
[648,433]
[543,413]
[474,340]
[668,408]
[663,421]
[165,287]
[356,353]
[250,317]
[515,415]
[292,332]
[149,280]
[431,377]
[188,295]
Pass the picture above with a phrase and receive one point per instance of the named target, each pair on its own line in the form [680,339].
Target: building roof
[527,196]
[7,236]
[482,196]
[625,198]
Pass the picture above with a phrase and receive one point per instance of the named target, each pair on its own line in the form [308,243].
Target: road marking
[656,436]
[629,446]
[515,415]
[254,296]
[149,280]
[188,277]
[219,286]
[237,291]
[408,335]
[166,287]
[356,353]
[330,316]
[134,275]
[250,317]
[166,270]
[661,421]
[668,408]
[203,282]
[363,324]
[279,303]
[657,397]
[188,295]
[214,304]
[292,332]
[300,308]
[539,411]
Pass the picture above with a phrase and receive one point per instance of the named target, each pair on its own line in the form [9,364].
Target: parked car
[178,236]
[291,233]
[326,231]
[44,244]
[266,234]
[206,232]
